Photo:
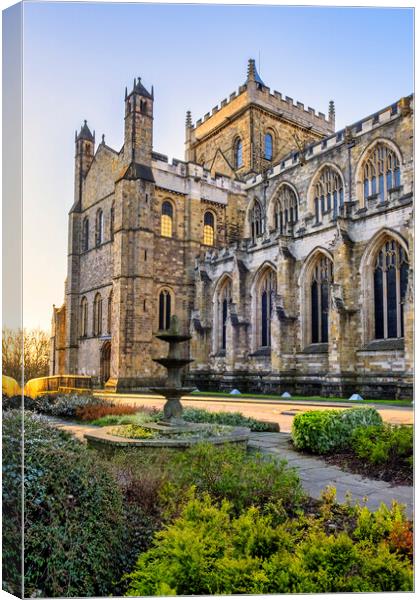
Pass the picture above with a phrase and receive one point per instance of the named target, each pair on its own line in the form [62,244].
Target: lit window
[164,310]
[208,233]
[238,153]
[166,220]
[268,146]
[390,284]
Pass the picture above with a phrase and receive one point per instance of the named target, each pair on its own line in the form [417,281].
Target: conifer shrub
[211,549]
[323,431]
[74,527]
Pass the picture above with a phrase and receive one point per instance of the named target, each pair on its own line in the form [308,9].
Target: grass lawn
[303,398]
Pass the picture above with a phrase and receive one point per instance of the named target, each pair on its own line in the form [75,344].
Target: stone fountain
[172,431]
[173,390]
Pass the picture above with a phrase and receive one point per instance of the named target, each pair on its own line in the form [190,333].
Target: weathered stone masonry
[307,284]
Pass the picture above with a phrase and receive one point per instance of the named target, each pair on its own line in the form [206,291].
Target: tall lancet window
[97,315]
[99,227]
[208,232]
[322,279]
[266,290]
[268,146]
[166,219]
[238,153]
[390,285]
[224,299]
[83,317]
[85,235]
[164,309]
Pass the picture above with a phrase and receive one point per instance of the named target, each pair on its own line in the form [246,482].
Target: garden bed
[357,441]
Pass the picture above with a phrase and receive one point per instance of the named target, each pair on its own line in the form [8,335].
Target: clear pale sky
[78,58]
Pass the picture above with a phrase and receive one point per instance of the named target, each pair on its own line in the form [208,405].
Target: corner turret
[85,150]
[138,134]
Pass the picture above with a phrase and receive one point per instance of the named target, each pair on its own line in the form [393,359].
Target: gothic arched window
[97,315]
[265,292]
[85,235]
[99,227]
[111,224]
[268,146]
[166,219]
[83,317]
[285,209]
[225,297]
[238,153]
[110,311]
[390,284]
[208,232]
[328,193]
[256,220]
[164,309]
[381,172]
[322,278]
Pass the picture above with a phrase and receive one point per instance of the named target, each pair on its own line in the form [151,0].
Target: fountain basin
[106,439]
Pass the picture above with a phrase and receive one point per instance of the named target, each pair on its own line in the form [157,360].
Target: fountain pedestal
[174,363]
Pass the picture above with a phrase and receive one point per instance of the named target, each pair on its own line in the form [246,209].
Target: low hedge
[323,431]
[74,528]
[385,444]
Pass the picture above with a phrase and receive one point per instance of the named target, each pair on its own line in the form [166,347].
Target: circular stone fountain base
[174,437]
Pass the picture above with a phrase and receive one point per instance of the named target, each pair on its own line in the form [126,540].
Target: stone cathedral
[285,247]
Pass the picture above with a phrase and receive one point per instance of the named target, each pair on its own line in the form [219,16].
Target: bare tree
[28,348]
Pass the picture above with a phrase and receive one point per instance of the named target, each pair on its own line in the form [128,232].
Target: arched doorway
[105,362]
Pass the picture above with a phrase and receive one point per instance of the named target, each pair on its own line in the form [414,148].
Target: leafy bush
[143,415]
[212,550]
[16,402]
[133,431]
[73,510]
[91,412]
[229,472]
[322,431]
[200,415]
[384,444]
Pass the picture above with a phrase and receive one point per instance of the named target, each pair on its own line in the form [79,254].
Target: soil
[396,474]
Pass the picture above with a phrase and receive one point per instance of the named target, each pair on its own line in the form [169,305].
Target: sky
[78,58]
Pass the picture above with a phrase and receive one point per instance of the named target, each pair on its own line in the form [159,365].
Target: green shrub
[384,444]
[200,415]
[212,550]
[73,511]
[229,472]
[322,431]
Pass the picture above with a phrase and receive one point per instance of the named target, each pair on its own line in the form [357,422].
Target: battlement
[346,135]
[178,176]
[274,101]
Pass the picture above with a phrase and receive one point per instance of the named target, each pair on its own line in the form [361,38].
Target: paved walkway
[315,474]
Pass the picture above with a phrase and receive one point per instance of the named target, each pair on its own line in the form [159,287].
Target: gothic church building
[284,247]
